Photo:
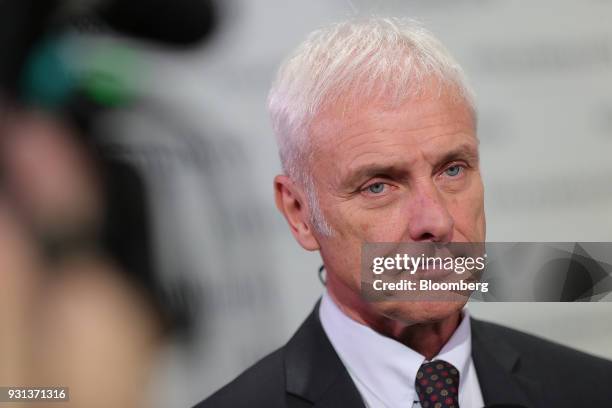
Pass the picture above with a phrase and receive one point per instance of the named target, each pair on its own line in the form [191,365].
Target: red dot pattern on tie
[437,385]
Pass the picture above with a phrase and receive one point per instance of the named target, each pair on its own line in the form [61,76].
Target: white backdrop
[542,72]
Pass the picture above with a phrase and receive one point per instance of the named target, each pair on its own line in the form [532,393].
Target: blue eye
[376,188]
[453,171]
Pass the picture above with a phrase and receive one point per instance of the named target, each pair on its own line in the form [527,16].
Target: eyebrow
[369,171]
[466,151]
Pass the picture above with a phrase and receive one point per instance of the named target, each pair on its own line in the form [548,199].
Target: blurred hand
[70,320]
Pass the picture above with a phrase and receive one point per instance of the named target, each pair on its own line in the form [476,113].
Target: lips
[433,274]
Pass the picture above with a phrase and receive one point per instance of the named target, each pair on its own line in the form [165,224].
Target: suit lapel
[316,377]
[498,368]
[313,370]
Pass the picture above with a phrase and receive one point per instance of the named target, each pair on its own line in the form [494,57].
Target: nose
[429,219]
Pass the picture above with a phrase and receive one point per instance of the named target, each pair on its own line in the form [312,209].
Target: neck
[426,338]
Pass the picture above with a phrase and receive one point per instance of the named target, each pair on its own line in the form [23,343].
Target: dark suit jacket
[512,368]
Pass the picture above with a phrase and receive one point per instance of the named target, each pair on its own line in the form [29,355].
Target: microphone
[22,23]
[177,23]
[126,235]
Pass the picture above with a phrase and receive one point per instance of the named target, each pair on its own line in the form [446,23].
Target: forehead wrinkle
[399,161]
[344,132]
[419,148]
[467,144]
[405,162]
[375,125]
[395,161]
[347,143]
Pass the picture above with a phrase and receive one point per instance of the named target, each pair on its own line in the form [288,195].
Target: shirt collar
[386,367]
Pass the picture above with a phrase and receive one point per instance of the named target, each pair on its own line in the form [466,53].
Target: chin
[411,313]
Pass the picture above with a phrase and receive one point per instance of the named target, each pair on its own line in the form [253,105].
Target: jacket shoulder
[261,385]
[538,346]
[551,361]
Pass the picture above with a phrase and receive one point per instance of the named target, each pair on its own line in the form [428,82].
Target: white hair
[352,62]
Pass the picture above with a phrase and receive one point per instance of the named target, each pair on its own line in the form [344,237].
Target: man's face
[405,175]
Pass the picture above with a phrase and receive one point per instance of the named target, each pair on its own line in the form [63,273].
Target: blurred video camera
[78,60]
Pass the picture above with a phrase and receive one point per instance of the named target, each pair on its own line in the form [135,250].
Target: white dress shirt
[384,370]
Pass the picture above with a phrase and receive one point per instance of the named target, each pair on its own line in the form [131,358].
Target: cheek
[383,226]
[342,259]
[386,224]
[366,227]
[467,211]
[349,223]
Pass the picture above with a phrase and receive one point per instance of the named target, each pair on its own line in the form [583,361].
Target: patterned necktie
[437,385]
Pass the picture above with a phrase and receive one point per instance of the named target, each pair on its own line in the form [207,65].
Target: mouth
[433,274]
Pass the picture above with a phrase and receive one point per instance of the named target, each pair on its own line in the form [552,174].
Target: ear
[290,201]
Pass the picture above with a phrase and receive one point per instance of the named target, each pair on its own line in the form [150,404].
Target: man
[377,135]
